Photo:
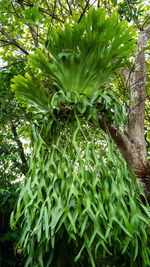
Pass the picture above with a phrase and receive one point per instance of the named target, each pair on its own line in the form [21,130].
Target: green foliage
[32,14]
[8,238]
[9,107]
[92,198]
[11,168]
[125,12]
[22,21]
[86,55]
[73,63]
[10,111]
[114,2]
[81,66]
[27,92]
[71,190]
[36,99]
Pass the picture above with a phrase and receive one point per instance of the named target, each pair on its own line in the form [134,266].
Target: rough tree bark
[131,143]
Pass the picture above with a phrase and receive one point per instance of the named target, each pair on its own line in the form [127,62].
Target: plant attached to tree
[70,187]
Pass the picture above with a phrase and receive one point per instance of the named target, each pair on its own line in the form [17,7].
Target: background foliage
[13,164]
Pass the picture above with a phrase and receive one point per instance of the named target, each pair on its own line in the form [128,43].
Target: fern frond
[30,94]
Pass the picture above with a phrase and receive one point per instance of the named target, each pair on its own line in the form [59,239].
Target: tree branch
[133,15]
[69,7]
[14,42]
[87,4]
[42,10]
[34,35]
[51,15]
[131,150]
[15,63]
[120,139]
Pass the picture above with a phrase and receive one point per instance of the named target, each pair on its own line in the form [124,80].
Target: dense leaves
[8,237]
[128,9]
[82,63]
[78,198]
[73,188]
[12,169]
[85,56]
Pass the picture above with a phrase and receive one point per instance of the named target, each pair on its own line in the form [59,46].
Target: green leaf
[114,2]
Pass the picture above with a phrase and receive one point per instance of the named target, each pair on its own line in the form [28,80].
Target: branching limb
[70,10]
[14,42]
[86,7]
[15,63]
[120,139]
[133,15]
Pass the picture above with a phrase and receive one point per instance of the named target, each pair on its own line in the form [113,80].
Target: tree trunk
[20,147]
[132,143]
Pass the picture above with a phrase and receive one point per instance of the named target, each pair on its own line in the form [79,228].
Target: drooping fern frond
[71,187]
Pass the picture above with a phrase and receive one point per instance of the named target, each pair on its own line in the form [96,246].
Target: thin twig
[69,7]
[14,63]
[14,42]
[87,3]
[133,15]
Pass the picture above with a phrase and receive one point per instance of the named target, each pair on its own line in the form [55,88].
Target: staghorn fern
[85,56]
[73,186]
[83,59]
